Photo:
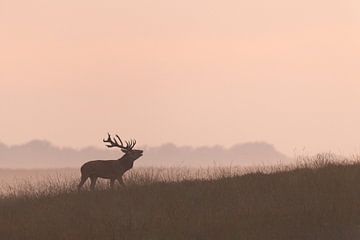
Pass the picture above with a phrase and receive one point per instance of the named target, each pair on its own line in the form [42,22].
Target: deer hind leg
[112,181]
[93,182]
[82,181]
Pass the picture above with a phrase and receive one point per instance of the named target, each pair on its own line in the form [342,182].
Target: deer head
[128,149]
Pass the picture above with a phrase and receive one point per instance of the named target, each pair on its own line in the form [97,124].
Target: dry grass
[316,199]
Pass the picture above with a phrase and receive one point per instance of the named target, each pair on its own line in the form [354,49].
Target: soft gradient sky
[199,72]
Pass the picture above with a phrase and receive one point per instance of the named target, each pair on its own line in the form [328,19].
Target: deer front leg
[121,182]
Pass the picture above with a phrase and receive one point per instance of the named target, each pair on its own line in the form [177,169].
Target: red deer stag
[110,169]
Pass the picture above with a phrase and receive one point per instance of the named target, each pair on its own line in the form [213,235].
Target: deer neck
[126,161]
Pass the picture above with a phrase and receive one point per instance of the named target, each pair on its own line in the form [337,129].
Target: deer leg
[121,182]
[112,181]
[82,181]
[93,182]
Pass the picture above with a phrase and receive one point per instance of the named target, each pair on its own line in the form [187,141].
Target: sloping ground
[305,203]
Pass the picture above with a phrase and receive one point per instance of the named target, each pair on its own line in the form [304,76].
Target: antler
[130,144]
[114,143]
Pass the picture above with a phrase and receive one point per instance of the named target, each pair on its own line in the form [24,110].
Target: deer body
[110,169]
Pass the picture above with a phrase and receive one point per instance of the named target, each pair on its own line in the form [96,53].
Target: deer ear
[124,150]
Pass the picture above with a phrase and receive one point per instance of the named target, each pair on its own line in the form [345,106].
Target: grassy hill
[318,201]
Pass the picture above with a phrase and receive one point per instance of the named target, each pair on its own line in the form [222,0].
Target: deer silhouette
[111,169]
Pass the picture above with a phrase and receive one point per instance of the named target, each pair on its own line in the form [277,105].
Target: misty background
[191,72]
[43,154]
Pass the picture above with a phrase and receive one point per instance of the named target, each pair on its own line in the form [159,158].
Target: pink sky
[190,72]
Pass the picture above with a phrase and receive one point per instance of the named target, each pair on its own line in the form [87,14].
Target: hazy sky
[199,72]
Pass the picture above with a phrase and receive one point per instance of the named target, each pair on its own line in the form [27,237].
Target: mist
[43,154]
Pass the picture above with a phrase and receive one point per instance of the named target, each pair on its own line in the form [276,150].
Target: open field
[310,201]
[38,181]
